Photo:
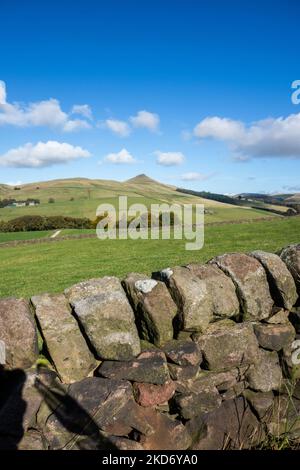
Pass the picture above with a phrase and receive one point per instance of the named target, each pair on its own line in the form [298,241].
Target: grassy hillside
[294,198]
[80,197]
[30,269]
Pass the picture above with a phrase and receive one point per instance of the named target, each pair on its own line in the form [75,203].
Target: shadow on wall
[81,429]
[12,408]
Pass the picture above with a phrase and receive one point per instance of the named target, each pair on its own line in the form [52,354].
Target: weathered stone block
[148,367]
[279,315]
[154,308]
[64,340]
[280,279]
[191,296]
[251,283]
[183,353]
[231,426]
[274,337]
[169,434]
[107,318]
[221,289]
[18,332]
[290,255]
[153,395]
[193,404]
[266,375]
[232,347]
[78,415]
[261,402]
[183,372]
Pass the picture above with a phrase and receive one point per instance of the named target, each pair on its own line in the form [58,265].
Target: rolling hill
[80,197]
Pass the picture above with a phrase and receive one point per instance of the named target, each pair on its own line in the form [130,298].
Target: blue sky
[193,93]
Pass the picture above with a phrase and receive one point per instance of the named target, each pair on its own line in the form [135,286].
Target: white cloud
[219,128]
[122,157]
[145,119]
[42,113]
[2,92]
[42,154]
[194,176]
[169,158]
[120,128]
[265,138]
[75,125]
[82,109]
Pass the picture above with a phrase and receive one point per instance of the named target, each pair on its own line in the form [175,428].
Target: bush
[31,223]
[51,200]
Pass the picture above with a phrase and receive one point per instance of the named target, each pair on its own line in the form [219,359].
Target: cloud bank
[42,113]
[42,154]
[271,138]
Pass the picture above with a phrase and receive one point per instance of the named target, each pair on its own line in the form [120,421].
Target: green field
[11,236]
[50,267]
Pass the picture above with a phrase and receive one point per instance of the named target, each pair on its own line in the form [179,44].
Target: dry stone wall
[196,357]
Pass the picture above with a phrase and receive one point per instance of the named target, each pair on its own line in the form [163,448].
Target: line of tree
[28,223]
[211,196]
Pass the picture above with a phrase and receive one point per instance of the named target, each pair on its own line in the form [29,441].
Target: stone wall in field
[195,357]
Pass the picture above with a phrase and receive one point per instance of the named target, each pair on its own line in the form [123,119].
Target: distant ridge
[80,197]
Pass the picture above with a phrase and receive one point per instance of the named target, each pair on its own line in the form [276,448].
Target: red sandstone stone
[152,395]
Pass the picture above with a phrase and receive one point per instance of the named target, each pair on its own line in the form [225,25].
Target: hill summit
[141,179]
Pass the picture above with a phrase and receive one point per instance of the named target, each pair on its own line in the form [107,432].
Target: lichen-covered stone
[193,404]
[231,426]
[154,308]
[218,325]
[148,367]
[183,353]
[290,255]
[221,288]
[191,296]
[251,283]
[281,281]
[18,332]
[221,380]
[183,372]
[279,316]
[261,402]
[232,347]
[169,434]
[64,340]
[78,415]
[266,374]
[274,337]
[234,391]
[107,318]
